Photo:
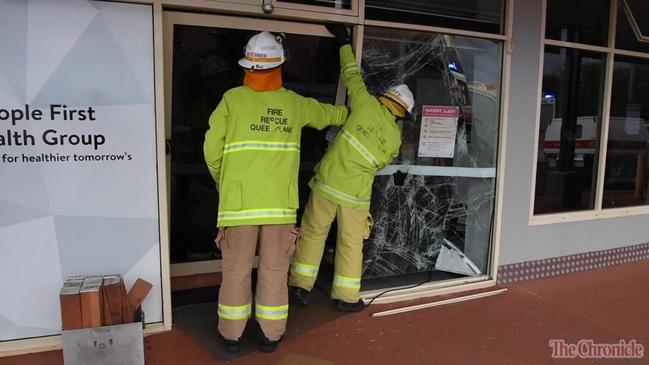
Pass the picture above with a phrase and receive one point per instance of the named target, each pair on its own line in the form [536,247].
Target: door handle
[167,146]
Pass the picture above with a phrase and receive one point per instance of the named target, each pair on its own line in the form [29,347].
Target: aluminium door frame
[170,19]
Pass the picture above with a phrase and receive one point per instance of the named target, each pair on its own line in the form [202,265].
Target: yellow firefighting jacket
[369,140]
[252,149]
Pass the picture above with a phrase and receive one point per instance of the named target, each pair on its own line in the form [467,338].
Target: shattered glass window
[433,206]
[476,15]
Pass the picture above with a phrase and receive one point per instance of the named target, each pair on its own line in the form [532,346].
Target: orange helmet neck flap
[266,80]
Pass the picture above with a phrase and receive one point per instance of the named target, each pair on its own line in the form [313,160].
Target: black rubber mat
[199,321]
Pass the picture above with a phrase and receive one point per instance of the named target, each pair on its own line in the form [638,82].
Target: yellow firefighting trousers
[238,245]
[354,225]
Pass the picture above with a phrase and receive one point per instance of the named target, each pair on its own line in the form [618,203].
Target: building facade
[526,156]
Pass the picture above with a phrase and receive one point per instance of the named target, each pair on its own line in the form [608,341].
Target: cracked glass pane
[426,204]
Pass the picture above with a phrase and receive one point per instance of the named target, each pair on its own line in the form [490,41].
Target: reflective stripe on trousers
[341,195]
[273,313]
[238,247]
[299,268]
[235,312]
[316,222]
[347,282]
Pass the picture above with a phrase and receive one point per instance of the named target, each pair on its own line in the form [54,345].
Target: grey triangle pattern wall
[71,208]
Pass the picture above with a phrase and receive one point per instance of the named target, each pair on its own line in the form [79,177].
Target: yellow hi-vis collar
[393,106]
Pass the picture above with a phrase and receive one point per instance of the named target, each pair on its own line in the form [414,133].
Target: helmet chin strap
[396,109]
[263,80]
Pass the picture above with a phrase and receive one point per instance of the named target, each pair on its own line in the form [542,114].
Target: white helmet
[402,95]
[262,52]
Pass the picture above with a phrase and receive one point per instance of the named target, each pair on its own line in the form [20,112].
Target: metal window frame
[279,4]
[633,22]
[610,51]
[490,277]
[294,12]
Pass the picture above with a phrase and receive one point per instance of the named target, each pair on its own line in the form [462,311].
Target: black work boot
[266,345]
[299,295]
[231,346]
[342,306]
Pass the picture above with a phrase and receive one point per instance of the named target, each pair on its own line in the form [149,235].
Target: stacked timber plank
[94,301]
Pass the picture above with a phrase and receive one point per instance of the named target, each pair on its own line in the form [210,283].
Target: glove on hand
[339,32]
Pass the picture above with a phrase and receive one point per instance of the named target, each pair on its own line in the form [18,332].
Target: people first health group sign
[78,180]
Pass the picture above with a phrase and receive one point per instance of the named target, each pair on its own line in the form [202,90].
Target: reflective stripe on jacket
[369,140]
[252,150]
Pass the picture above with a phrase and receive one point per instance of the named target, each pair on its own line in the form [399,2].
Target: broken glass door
[433,207]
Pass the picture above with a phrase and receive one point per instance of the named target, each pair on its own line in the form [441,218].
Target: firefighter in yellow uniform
[252,150]
[342,185]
